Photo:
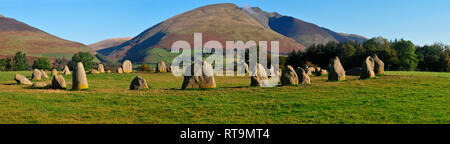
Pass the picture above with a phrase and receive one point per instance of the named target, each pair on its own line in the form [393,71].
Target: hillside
[18,36]
[303,32]
[219,22]
[108,43]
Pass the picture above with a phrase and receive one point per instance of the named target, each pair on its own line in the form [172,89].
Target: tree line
[19,62]
[401,55]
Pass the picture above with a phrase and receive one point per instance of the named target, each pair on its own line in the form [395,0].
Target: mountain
[219,22]
[18,36]
[303,32]
[108,43]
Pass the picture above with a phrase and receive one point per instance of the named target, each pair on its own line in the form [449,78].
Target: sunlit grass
[397,97]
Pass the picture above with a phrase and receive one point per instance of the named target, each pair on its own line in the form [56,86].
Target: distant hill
[108,43]
[224,22]
[18,36]
[219,22]
[303,32]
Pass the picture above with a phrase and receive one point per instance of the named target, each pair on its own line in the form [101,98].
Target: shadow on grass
[337,80]
[367,78]
[12,84]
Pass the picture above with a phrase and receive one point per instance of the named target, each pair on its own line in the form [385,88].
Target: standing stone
[54,72]
[246,68]
[127,67]
[307,69]
[44,75]
[318,69]
[66,71]
[288,76]
[259,76]
[169,68]
[37,74]
[202,78]
[323,71]
[58,82]
[119,70]
[79,80]
[272,71]
[367,68]
[100,68]
[312,69]
[20,79]
[335,71]
[39,85]
[94,71]
[379,65]
[303,77]
[175,69]
[138,83]
[161,67]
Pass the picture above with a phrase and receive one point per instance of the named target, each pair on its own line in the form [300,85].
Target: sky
[89,21]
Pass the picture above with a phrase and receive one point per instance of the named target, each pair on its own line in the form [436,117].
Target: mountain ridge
[18,36]
[221,22]
[305,33]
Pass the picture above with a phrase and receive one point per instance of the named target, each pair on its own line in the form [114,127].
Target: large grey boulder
[100,68]
[44,75]
[37,75]
[367,68]
[54,72]
[379,65]
[335,71]
[161,67]
[127,67]
[303,77]
[138,83]
[58,82]
[39,85]
[202,78]
[289,76]
[20,79]
[259,76]
[66,71]
[79,80]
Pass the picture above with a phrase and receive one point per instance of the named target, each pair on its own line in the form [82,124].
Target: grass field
[397,97]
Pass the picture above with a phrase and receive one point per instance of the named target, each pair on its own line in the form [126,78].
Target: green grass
[156,55]
[397,97]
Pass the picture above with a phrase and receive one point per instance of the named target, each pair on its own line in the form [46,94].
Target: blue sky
[89,21]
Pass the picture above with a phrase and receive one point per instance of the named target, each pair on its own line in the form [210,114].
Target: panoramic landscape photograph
[224,62]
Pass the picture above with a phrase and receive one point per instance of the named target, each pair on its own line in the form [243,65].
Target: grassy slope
[398,97]
[38,44]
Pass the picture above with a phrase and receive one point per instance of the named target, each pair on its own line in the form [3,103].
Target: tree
[407,58]
[431,57]
[20,62]
[60,63]
[41,63]
[296,59]
[144,67]
[381,47]
[4,63]
[84,57]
